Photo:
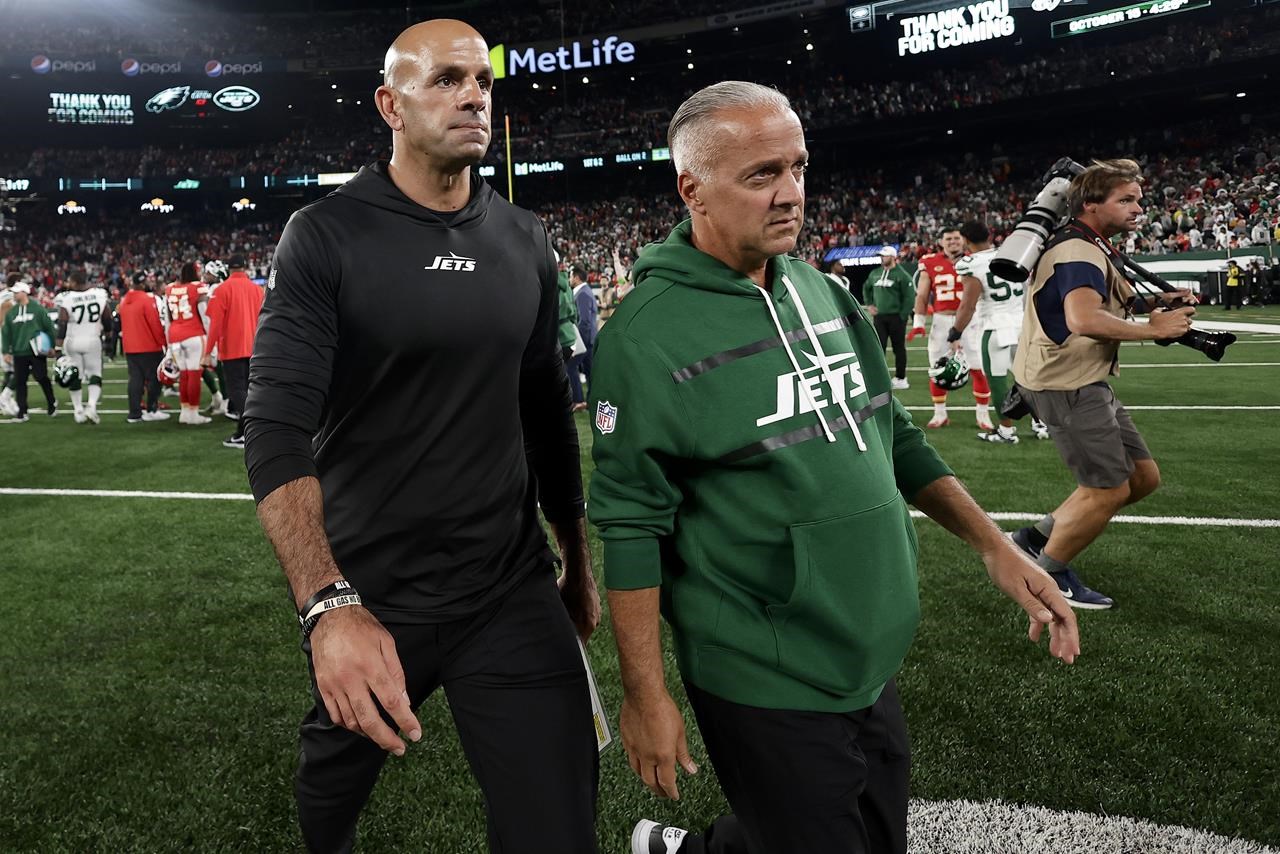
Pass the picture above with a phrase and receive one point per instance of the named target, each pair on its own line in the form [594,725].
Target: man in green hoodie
[751,484]
[23,352]
[892,298]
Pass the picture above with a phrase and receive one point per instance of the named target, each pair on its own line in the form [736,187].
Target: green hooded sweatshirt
[568,312]
[890,291]
[728,473]
[23,323]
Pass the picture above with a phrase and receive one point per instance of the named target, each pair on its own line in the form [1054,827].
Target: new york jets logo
[452,262]
[846,384]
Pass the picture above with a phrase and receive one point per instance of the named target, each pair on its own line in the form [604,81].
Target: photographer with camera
[1077,313]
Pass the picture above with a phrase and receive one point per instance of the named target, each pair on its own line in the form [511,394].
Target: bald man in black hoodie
[408,412]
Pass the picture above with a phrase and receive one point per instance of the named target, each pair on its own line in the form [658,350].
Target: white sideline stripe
[125,493]
[1140,520]
[1129,365]
[1168,408]
[1001,517]
[945,827]
[63,411]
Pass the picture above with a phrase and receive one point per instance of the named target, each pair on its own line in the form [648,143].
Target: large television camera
[1048,212]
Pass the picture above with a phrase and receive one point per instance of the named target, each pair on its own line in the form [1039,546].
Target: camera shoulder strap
[1075,230]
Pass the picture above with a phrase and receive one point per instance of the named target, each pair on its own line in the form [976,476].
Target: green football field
[152,680]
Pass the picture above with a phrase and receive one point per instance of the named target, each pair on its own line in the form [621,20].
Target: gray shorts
[1093,432]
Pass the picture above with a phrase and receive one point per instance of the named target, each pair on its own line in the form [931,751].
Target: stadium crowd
[1205,191]
[556,124]
[90,29]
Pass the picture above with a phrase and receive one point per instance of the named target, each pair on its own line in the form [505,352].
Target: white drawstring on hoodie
[822,362]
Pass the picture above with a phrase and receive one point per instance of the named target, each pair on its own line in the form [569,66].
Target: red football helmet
[168,372]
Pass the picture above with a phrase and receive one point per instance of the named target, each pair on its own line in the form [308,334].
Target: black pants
[518,693]
[142,371]
[806,782]
[237,373]
[31,366]
[893,328]
[1232,296]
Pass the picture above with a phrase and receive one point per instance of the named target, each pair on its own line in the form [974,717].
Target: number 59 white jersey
[1001,303]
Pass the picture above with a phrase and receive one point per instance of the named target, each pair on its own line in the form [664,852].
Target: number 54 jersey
[84,314]
[183,301]
[1000,306]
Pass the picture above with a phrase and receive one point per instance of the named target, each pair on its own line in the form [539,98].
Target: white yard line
[1169,408]
[1002,516]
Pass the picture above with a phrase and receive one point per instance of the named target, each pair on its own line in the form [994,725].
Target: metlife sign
[576,55]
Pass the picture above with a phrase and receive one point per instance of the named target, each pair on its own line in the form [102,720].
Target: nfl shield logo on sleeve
[606,416]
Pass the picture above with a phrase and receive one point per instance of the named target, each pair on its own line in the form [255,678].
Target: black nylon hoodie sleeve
[546,414]
[292,362]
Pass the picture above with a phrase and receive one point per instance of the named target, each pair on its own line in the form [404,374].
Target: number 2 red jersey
[943,281]
[183,301]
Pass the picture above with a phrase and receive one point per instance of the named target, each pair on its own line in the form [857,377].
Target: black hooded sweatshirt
[408,359]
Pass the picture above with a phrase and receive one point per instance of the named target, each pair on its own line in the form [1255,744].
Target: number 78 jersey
[1000,305]
[84,313]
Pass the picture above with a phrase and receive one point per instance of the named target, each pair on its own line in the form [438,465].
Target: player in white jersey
[8,403]
[82,319]
[996,306]
[213,273]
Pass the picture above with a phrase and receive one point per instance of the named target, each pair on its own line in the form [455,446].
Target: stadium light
[633,78]
[788,62]
[333,85]
[688,50]
[339,100]
[691,66]
[950,132]
[535,84]
[1240,94]
[586,79]
[809,46]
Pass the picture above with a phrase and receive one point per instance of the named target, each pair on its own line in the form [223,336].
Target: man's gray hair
[689,134]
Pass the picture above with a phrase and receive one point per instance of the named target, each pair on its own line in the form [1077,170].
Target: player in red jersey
[938,288]
[187,301]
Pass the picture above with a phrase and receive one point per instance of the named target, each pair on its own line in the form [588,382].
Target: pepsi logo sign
[236,99]
[216,68]
[132,67]
[42,64]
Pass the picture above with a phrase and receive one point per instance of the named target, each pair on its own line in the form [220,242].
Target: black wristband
[337,588]
[323,607]
[953,335]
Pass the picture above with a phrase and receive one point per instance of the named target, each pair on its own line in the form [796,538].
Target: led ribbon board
[1123,15]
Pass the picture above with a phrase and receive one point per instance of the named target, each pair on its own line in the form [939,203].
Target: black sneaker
[234,442]
[649,837]
[1029,540]
[1079,596]
[53,409]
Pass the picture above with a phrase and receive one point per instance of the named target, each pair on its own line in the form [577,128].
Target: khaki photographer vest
[1040,363]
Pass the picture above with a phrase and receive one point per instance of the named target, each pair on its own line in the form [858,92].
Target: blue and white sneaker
[649,837]
[1079,596]
[1029,540]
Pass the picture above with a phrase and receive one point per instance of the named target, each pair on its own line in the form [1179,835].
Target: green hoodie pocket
[855,605]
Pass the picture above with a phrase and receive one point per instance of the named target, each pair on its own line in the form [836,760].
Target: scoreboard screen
[907,29]
[101,109]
